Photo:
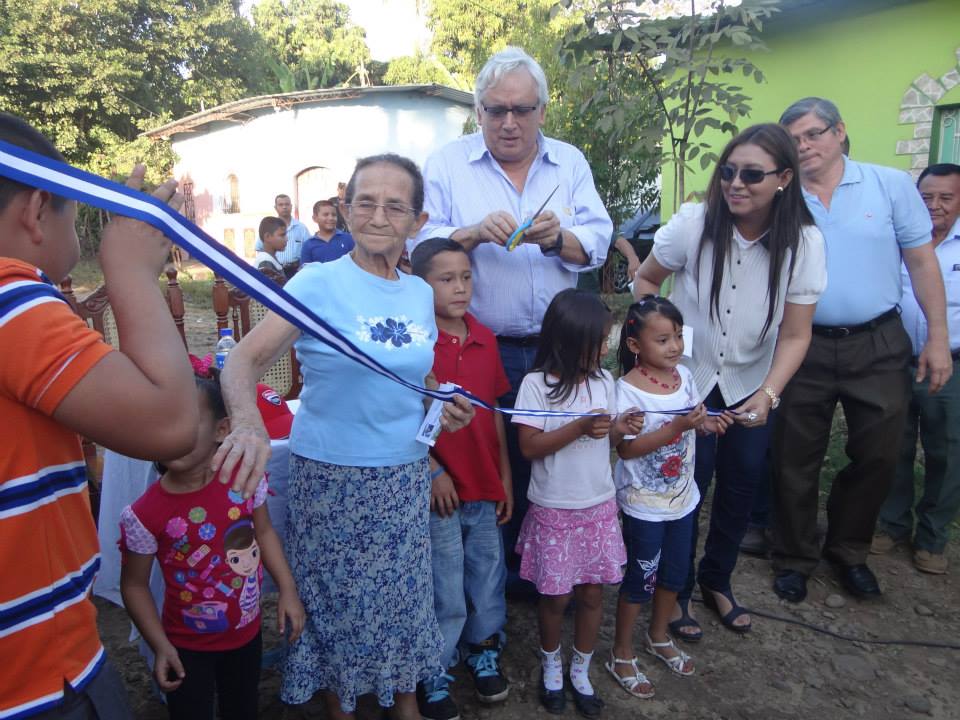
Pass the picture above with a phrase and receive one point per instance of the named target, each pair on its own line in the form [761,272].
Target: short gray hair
[823,109]
[507,61]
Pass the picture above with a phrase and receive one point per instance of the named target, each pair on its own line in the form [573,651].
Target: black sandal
[736,610]
[685,621]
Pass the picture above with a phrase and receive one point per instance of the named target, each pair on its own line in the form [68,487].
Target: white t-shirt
[265,257]
[659,486]
[578,475]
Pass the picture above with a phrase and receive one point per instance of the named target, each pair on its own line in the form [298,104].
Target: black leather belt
[521,341]
[839,331]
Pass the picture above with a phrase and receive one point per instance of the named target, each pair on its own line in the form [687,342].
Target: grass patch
[196,281]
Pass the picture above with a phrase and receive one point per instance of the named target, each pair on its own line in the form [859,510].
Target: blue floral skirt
[358,542]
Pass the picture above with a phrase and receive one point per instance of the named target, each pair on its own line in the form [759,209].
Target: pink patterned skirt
[562,548]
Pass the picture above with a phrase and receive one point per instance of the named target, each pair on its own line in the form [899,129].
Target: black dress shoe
[553,701]
[589,706]
[790,585]
[859,581]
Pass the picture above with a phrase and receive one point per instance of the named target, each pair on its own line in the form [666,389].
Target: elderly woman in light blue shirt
[358,537]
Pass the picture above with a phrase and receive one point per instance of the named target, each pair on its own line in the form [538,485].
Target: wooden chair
[95,308]
[235,308]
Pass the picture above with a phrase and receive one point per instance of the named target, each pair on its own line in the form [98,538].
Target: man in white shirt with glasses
[479,189]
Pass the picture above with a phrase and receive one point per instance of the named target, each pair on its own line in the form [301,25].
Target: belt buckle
[842,332]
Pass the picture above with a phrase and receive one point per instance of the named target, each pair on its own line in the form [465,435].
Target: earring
[636,359]
[779,189]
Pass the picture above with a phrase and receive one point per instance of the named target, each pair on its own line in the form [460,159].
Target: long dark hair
[788,214]
[635,320]
[573,331]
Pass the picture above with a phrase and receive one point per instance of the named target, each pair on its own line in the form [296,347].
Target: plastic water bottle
[225,344]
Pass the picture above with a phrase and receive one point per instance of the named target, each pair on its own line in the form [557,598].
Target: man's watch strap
[555,249]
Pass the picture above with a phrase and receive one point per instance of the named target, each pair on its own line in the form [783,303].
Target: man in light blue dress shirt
[935,417]
[870,217]
[479,189]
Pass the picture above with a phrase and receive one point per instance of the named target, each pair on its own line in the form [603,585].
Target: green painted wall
[865,64]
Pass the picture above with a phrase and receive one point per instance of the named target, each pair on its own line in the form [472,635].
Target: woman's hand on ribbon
[753,412]
[457,414]
[243,456]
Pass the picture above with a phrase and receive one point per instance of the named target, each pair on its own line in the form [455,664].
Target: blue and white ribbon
[35,170]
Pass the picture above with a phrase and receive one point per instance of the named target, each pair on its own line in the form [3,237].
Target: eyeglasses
[499,112]
[748,176]
[811,136]
[366,209]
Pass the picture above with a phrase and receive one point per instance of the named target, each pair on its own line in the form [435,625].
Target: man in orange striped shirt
[58,378]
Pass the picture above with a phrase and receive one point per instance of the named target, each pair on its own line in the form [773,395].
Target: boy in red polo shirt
[472,489]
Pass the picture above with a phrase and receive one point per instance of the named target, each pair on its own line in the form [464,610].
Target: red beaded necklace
[665,386]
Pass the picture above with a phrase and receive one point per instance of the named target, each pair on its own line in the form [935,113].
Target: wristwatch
[774,398]
[555,249]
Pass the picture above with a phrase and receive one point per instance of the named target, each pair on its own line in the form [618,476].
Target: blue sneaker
[484,664]
[434,701]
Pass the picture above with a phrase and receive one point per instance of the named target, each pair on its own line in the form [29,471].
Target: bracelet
[437,473]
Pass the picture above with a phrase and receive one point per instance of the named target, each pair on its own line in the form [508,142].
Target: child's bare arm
[505,508]
[536,443]
[137,599]
[646,444]
[289,606]
[144,385]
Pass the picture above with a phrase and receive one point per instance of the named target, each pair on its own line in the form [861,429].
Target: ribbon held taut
[35,170]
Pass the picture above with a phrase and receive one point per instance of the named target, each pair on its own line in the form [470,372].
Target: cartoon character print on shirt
[243,558]
[220,577]
[392,333]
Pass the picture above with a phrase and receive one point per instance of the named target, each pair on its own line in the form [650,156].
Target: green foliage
[89,74]
[420,69]
[617,137]
[466,33]
[682,68]
[311,43]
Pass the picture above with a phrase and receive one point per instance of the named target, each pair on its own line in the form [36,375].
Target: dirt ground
[779,670]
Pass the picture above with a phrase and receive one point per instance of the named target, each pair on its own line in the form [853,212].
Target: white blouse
[727,349]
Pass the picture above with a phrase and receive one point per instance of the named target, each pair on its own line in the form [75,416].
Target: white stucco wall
[267,152]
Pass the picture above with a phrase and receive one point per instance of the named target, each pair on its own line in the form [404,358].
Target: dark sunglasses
[749,176]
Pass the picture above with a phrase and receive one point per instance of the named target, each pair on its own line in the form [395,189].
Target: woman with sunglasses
[748,267]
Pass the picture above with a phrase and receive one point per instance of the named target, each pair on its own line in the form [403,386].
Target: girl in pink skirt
[570,542]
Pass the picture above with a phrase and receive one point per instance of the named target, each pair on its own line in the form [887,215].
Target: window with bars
[947,135]
[231,202]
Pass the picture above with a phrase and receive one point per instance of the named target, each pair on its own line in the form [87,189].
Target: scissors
[517,236]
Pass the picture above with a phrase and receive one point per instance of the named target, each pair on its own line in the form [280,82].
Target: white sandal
[676,662]
[631,682]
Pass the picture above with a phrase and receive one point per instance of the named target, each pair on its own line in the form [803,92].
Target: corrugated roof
[245,109]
